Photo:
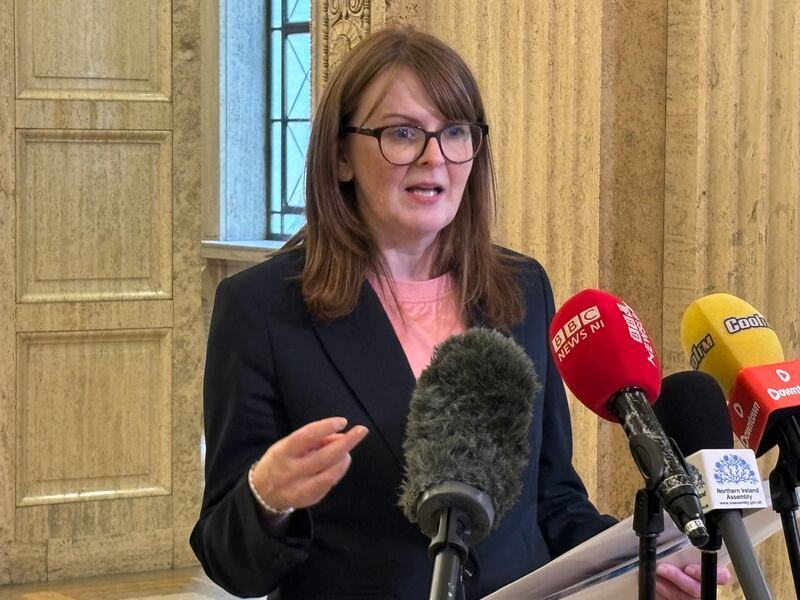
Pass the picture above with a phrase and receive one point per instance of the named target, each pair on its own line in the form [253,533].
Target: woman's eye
[455,131]
[403,133]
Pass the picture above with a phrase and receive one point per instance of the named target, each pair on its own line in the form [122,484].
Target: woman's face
[404,207]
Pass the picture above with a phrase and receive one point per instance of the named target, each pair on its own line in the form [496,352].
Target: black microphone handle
[446,580]
[708,575]
[708,560]
[660,463]
[448,551]
[742,555]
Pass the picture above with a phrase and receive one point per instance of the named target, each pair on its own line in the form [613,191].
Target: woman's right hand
[300,469]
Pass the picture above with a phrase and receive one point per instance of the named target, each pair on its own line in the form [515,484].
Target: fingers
[673,583]
[311,436]
[665,590]
[300,469]
[724,576]
[676,584]
[330,453]
[315,488]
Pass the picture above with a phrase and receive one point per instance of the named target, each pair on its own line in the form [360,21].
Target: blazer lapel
[365,350]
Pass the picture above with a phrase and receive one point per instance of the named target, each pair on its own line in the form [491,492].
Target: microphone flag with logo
[693,412]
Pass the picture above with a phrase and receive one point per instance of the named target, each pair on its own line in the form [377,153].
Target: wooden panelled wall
[732,185]
[651,148]
[100,323]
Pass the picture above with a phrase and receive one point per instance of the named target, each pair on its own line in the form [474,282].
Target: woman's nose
[432,154]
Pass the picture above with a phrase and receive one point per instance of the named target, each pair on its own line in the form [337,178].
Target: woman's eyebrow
[396,115]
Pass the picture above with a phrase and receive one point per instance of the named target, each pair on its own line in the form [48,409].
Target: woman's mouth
[425,191]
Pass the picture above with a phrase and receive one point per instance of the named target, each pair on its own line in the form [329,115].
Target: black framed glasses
[404,144]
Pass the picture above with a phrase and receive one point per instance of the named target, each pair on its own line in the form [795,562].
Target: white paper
[606,566]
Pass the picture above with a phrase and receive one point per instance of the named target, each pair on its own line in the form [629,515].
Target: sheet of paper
[606,566]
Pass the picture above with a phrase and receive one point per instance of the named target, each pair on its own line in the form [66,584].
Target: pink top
[427,314]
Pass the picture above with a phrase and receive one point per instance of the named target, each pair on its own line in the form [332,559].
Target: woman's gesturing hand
[299,470]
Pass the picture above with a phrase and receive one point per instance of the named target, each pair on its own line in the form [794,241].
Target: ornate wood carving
[337,26]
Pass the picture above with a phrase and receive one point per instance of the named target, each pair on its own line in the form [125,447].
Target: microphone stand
[648,523]
[783,482]
[448,551]
[456,516]
[708,561]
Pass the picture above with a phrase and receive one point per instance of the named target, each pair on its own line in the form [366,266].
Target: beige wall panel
[95,140]
[783,176]
[189,345]
[133,552]
[210,119]
[93,410]
[733,177]
[82,316]
[632,156]
[94,212]
[684,232]
[76,519]
[23,563]
[685,202]
[94,49]
[85,114]
[7,228]
[538,65]
[631,180]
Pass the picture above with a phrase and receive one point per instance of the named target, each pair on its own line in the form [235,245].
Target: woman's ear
[345,170]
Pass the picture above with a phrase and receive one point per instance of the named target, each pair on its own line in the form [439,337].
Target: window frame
[286,28]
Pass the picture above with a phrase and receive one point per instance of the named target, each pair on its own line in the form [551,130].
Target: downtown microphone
[466,446]
[606,358]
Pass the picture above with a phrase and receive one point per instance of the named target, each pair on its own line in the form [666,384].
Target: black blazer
[271,369]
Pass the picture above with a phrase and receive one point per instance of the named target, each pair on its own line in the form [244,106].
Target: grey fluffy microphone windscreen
[468,421]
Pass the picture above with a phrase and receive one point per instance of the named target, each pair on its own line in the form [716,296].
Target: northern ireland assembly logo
[734,470]
[726,478]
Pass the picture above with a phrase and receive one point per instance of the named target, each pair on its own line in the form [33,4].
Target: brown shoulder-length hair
[338,248]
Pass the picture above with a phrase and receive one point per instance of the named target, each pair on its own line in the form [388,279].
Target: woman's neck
[409,265]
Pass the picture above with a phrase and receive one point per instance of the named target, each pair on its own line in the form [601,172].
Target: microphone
[607,360]
[466,445]
[726,337]
[692,410]
[730,340]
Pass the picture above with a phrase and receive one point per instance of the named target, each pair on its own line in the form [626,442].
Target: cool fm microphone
[726,337]
[606,359]
[466,446]
[692,411]
[730,340]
